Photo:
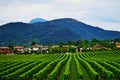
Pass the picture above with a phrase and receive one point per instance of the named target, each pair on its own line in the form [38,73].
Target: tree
[69,43]
[33,43]
[71,49]
[61,45]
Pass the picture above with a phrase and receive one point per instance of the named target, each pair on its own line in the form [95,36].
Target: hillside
[51,32]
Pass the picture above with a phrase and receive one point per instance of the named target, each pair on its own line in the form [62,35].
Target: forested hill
[51,32]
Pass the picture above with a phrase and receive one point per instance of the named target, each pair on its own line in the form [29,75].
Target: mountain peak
[36,20]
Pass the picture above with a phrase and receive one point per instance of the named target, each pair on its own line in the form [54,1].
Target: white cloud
[99,12]
[104,25]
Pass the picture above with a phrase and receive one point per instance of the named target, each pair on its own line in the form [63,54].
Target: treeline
[86,45]
[77,46]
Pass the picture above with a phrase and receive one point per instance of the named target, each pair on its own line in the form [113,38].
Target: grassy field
[102,65]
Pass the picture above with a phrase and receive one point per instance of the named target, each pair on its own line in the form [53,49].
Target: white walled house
[38,48]
[28,49]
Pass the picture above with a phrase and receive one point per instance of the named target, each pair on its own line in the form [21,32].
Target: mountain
[36,20]
[51,32]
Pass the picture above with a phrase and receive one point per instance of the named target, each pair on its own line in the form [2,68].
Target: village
[42,49]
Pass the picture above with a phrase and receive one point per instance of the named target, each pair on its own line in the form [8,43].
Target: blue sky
[102,13]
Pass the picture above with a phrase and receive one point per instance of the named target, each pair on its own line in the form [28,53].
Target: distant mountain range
[36,20]
[51,32]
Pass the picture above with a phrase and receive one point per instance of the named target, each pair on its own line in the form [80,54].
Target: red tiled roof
[16,47]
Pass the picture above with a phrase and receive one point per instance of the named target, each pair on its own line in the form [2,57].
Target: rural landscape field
[102,65]
[59,40]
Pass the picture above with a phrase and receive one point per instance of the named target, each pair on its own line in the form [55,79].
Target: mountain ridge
[52,32]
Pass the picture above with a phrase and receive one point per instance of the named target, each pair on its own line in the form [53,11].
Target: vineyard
[102,65]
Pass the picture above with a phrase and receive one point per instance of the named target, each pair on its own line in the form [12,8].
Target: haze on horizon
[102,13]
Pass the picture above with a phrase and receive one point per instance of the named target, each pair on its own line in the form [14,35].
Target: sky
[101,13]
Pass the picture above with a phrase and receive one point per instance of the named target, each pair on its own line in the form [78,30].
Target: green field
[102,65]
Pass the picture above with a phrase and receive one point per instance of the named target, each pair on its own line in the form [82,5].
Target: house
[117,45]
[98,47]
[5,50]
[37,47]
[74,46]
[44,48]
[55,46]
[28,49]
[19,49]
[64,46]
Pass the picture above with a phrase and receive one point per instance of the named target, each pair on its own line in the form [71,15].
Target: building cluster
[31,49]
[41,48]
[22,49]
[118,45]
